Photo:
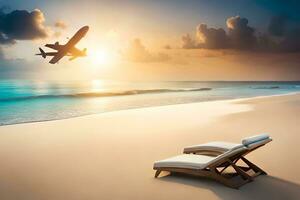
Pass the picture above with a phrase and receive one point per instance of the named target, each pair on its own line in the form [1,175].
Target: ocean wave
[267,87]
[104,94]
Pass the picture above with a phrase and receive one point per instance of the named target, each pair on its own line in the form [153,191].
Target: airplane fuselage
[77,37]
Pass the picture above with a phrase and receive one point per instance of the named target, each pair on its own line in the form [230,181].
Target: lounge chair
[212,159]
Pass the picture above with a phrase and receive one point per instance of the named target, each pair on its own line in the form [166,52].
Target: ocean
[30,101]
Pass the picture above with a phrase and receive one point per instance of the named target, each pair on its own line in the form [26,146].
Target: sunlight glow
[97,85]
[99,57]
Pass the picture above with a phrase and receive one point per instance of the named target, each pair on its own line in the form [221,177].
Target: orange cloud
[137,52]
[60,24]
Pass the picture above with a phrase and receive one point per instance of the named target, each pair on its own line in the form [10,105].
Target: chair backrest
[228,154]
[249,144]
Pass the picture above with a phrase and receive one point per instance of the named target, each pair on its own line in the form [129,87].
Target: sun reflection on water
[97,85]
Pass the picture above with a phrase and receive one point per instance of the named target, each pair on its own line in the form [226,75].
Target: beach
[111,155]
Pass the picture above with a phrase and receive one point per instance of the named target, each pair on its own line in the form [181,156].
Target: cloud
[291,41]
[5,40]
[2,57]
[60,24]
[137,52]
[287,31]
[22,25]
[241,35]
[281,36]
[188,42]
[277,26]
[211,38]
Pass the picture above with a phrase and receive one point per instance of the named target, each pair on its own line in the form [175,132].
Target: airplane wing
[53,46]
[77,37]
[57,57]
[74,51]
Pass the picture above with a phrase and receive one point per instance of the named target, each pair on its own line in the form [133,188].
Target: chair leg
[157,173]
[208,173]
[224,168]
[253,166]
[225,181]
[241,172]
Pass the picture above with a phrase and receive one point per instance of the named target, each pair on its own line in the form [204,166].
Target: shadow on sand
[263,187]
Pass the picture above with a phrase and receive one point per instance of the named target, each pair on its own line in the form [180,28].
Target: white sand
[110,155]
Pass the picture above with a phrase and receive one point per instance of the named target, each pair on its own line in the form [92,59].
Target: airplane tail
[42,53]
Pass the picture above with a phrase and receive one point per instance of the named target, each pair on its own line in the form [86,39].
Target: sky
[151,40]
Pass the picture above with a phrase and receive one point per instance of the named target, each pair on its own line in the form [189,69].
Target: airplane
[68,49]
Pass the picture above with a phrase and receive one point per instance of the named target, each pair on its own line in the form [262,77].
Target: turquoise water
[29,101]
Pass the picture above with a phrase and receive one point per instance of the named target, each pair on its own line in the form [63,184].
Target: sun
[99,57]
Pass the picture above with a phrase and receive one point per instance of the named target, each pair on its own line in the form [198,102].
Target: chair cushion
[195,161]
[216,146]
[253,139]
[259,143]
[186,161]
